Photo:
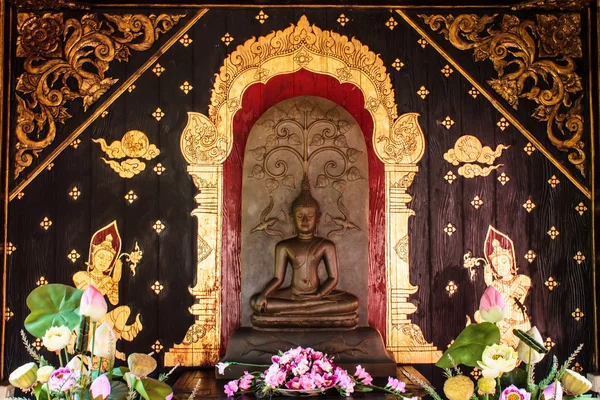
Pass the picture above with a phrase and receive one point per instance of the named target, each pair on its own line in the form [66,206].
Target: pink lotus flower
[231,388]
[246,381]
[100,387]
[93,304]
[362,375]
[492,307]
[514,393]
[396,385]
[550,390]
[61,380]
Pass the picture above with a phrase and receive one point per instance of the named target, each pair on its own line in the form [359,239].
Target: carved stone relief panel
[313,136]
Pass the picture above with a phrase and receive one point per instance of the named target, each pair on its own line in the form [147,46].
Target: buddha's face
[305,219]
[503,265]
[101,259]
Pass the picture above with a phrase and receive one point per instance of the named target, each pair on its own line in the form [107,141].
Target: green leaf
[120,371]
[152,389]
[52,305]
[530,341]
[517,377]
[470,344]
[40,392]
[118,391]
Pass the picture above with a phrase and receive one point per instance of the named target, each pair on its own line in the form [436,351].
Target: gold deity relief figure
[501,272]
[104,272]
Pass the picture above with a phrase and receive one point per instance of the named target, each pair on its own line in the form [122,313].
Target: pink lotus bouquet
[302,371]
[507,373]
[65,319]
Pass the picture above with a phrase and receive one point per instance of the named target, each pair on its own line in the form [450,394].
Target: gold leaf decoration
[467,150]
[134,144]
[126,168]
[68,60]
[541,70]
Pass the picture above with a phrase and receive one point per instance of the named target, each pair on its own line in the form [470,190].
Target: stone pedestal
[362,346]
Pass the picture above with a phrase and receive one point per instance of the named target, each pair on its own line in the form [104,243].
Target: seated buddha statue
[307,302]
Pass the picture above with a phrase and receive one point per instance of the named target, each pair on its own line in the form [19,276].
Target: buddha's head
[502,261]
[305,210]
[103,254]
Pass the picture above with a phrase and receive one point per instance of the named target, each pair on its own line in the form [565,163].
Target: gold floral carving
[534,60]
[132,146]
[68,60]
[201,143]
[467,150]
[406,142]
[561,5]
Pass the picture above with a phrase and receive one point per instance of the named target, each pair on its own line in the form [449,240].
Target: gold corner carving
[534,60]
[67,60]
[206,142]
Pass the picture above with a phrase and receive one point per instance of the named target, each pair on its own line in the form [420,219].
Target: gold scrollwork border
[399,143]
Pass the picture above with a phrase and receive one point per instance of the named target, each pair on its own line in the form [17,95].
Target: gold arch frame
[206,142]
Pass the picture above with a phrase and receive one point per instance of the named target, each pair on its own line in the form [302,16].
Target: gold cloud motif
[134,144]
[468,150]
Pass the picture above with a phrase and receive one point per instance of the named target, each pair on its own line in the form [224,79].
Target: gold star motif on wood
[474,93]
[157,287]
[447,71]
[42,281]
[549,343]
[448,122]
[423,92]
[551,283]
[131,88]
[75,144]
[261,17]
[73,256]
[227,39]
[529,149]
[46,223]
[530,256]
[185,40]
[10,248]
[8,314]
[477,202]
[503,124]
[158,69]
[159,169]
[529,205]
[104,114]
[186,87]
[450,177]
[20,195]
[75,193]
[158,114]
[397,64]
[577,314]
[37,344]
[343,20]
[391,23]
[476,373]
[579,257]
[451,288]
[158,226]
[553,181]
[51,165]
[581,208]
[553,233]
[449,229]
[578,368]
[157,346]
[422,42]
[503,179]
[130,196]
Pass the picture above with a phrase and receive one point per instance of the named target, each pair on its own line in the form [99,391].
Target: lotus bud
[492,306]
[574,384]
[523,349]
[486,385]
[56,338]
[141,365]
[43,374]
[25,376]
[459,388]
[105,342]
[100,388]
[93,304]
[551,390]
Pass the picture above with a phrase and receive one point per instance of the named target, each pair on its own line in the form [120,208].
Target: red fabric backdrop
[256,100]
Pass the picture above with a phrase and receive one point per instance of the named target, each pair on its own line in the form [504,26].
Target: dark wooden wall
[436,258]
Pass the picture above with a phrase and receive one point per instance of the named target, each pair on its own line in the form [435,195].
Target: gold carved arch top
[208,140]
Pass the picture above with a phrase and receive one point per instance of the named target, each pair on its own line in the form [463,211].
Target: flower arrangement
[304,371]
[60,313]
[478,345]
